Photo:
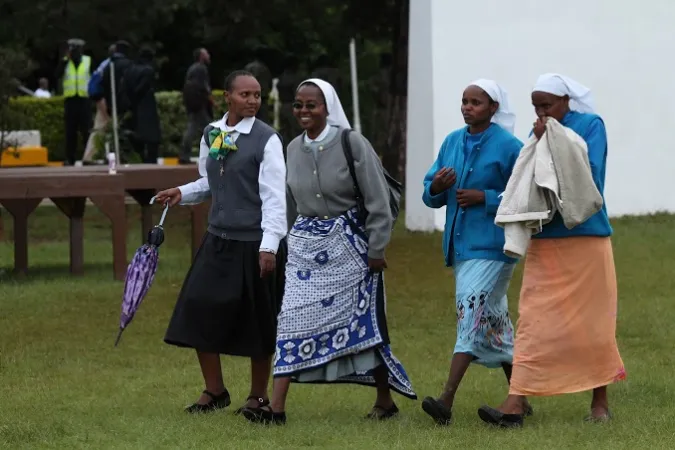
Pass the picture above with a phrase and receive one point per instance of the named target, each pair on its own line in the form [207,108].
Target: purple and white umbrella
[141,273]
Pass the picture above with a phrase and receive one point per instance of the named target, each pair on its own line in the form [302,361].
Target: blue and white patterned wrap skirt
[333,305]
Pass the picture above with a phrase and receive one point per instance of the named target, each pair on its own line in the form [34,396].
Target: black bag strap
[347,149]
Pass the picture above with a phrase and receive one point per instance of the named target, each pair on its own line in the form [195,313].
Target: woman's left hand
[470,197]
[377,265]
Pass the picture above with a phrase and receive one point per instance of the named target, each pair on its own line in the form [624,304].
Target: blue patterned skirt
[484,327]
[333,311]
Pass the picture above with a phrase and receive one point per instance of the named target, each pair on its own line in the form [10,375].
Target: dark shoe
[264,416]
[261,402]
[217,402]
[498,418]
[437,410]
[380,413]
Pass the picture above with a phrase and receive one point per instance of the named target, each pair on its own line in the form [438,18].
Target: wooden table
[21,193]
[140,181]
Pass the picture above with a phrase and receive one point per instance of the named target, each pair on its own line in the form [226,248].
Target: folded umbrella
[141,273]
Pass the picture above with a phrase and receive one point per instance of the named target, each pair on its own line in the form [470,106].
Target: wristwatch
[267,250]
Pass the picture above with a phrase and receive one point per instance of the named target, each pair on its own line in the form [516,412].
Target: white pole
[116,141]
[355,85]
[274,97]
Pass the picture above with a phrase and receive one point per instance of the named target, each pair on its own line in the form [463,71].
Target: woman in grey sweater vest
[231,296]
[332,326]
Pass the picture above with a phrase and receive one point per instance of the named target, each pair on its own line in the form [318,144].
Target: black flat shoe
[264,416]
[217,402]
[261,402]
[437,410]
[380,413]
[498,418]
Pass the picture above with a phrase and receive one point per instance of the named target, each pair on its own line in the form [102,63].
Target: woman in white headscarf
[566,337]
[472,169]
[332,326]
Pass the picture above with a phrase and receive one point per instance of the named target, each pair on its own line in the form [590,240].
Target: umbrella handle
[161,220]
[166,209]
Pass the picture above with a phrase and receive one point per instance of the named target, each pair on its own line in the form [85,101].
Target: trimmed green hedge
[46,115]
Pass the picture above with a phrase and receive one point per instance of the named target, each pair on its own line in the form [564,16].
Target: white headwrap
[581,98]
[336,115]
[504,117]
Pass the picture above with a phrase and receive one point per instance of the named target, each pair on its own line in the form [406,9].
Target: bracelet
[267,250]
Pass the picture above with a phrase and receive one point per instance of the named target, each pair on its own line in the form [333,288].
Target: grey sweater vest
[236,207]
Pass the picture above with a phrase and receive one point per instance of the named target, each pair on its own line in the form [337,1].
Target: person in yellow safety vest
[75,71]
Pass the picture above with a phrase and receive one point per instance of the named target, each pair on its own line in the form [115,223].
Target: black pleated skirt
[224,306]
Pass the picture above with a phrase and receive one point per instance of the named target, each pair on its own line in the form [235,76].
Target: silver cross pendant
[222,169]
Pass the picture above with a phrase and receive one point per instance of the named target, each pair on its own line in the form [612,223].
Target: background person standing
[197,101]
[75,71]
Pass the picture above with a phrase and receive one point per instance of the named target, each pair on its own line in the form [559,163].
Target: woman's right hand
[172,197]
[539,127]
[443,180]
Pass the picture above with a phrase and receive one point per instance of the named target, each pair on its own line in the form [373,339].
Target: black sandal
[264,415]
[382,413]
[498,418]
[261,402]
[217,402]
[437,410]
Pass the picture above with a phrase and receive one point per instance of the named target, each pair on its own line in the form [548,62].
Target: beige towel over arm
[551,175]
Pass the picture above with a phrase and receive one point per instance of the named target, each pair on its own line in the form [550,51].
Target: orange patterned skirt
[566,332]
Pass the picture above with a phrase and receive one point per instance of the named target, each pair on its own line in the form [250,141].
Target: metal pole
[116,141]
[355,85]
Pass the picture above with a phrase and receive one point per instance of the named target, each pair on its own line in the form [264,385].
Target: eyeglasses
[309,106]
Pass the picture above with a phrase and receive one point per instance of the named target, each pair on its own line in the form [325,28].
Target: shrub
[46,115]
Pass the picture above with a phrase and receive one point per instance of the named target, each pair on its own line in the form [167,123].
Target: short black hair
[122,46]
[229,80]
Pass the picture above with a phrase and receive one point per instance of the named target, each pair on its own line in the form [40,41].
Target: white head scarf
[504,117]
[581,98]
[336,115]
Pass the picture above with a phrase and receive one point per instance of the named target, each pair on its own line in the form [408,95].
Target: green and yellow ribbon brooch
[221,143]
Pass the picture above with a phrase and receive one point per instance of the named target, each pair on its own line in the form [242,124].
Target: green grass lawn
[63,385]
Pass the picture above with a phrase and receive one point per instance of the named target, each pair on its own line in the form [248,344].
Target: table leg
[2,227]
[20,209]
[142,197]
[113,207]
[198,216]
[73,208]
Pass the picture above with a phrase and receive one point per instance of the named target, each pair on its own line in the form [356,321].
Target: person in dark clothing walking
[197,100]
[75,72]
[122,62]
[140,85]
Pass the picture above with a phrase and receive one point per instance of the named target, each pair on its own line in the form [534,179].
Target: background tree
[235,32]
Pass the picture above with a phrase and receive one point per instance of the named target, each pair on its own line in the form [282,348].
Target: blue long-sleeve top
[483,162]
[592,129]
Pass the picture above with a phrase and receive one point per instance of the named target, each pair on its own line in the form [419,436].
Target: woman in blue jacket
[471,171]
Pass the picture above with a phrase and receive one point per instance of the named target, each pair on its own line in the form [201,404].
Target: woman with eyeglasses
[332,326]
